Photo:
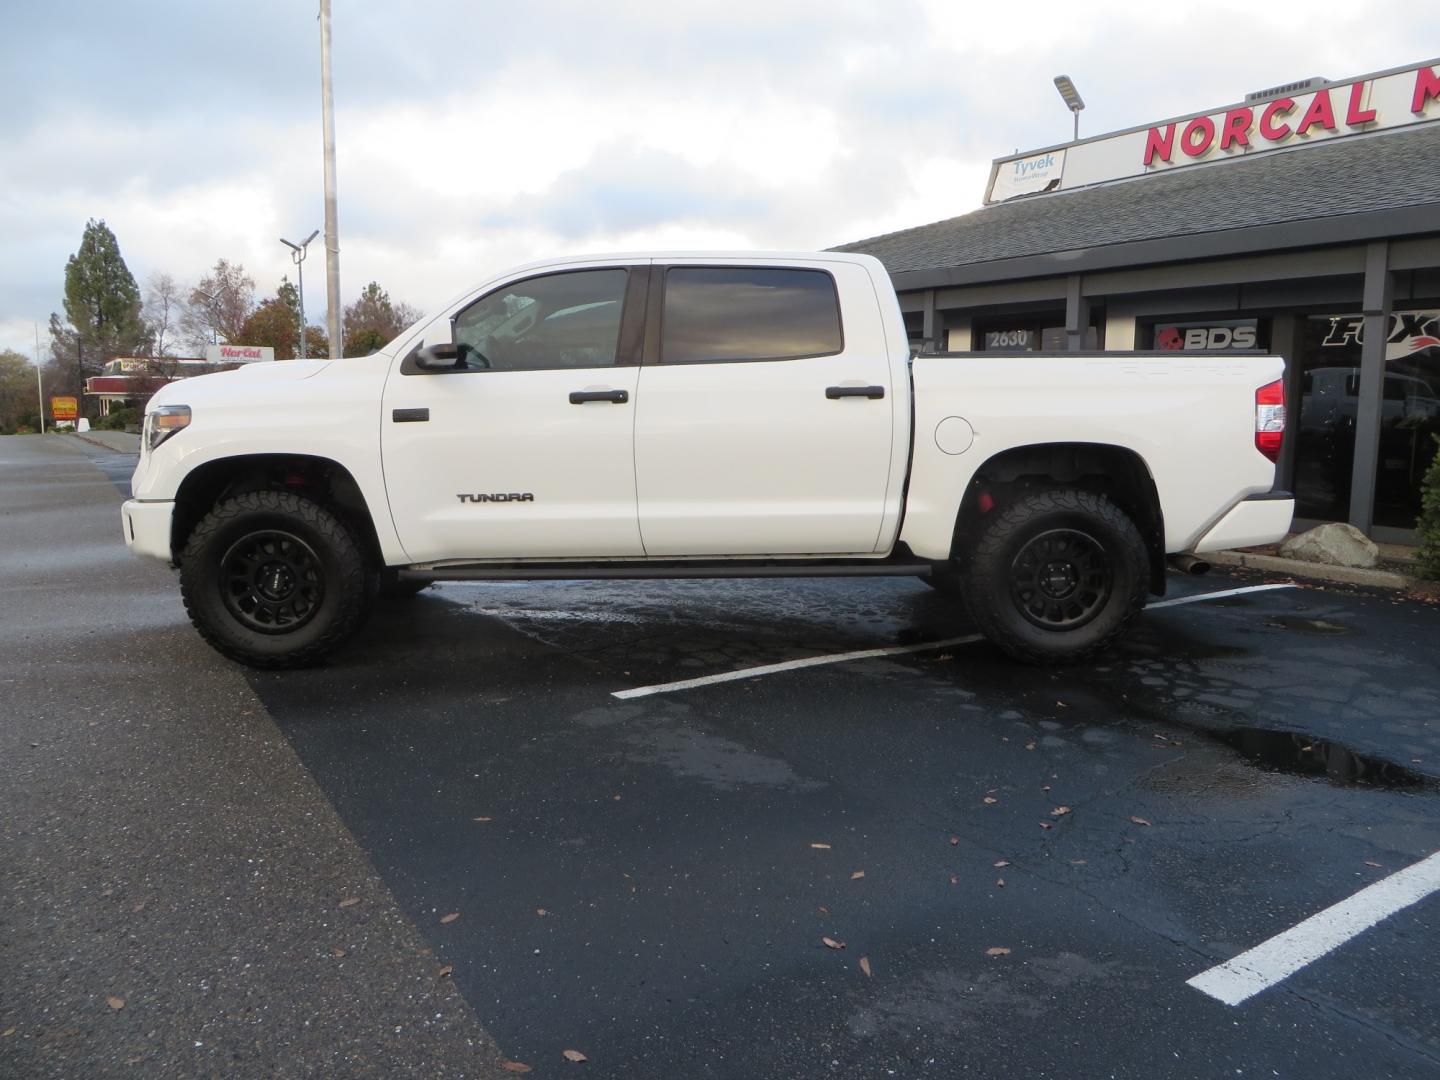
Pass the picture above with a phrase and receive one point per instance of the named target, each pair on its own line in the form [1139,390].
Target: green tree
[373,320]
[103,313]
[19,401]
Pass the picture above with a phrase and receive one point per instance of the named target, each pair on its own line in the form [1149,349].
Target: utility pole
[297,256]
[39,382]
[332,226]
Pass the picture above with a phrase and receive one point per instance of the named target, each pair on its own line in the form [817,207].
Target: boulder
[1335,544]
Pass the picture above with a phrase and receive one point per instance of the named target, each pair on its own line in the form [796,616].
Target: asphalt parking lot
[456,848]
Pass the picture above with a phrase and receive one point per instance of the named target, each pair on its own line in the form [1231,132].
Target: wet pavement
[652,881]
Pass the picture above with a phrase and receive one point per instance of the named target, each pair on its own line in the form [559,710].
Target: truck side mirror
[441,356]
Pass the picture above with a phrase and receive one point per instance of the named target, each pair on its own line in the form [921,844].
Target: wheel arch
[320,478]
[1117,472]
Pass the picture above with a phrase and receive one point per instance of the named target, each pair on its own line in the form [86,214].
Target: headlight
[162,422]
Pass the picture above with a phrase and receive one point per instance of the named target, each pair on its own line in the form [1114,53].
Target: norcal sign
[1275,121]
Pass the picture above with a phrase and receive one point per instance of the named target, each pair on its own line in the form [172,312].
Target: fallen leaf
[514,1066]
[134,1059]
[1138,820]
[997,950]
[482,819]
[954,840]
[1029,746]
[1372,862]
[115,1003]
[541,912]
[138,907]
[1045,788]
[449,918]
[337,952]
[446,970]
[856,875]
[990,800]
[864,966]
[1046,825]
[616,798]
[1002,863]
[7,1033]
[575,1055]
[107,892]
[1060,811]
[954,879]
[350,901]
[831,943]
[821,847]
[1079,862]
[1000,883]
[944,656]
[1062,704]
[824,910]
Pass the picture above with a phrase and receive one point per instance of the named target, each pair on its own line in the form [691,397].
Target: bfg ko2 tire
[274,580]
[1056,575]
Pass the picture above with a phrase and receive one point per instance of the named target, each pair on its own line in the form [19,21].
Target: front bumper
[1260,519]
[147,528]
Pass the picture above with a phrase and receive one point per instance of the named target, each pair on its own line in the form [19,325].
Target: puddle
[1306,626]
[1289,752]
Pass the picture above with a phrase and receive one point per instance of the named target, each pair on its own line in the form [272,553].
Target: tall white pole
[332,227]
[39,382]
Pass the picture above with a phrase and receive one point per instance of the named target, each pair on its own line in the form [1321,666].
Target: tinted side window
[567,320]
[717,313]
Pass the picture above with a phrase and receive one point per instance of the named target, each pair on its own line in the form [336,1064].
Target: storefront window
[1329,411]
[1409,416]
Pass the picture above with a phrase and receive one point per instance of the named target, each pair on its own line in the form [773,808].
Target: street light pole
[1072,100]
[297,256]
[332,226]
[39,382]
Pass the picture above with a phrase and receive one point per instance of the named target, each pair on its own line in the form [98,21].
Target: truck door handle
[833,392]
[617,397]
[410,416]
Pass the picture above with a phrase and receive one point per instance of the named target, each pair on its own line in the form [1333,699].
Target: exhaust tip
[1190,564]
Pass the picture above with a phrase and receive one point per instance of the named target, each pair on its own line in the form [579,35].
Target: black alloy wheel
[1060,579]
[272,581]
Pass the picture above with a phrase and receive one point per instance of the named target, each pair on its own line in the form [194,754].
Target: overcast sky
[473,135]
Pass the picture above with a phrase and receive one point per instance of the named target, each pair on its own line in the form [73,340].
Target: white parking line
[894,650]
[1286,953]
[791,665]
[1221,595]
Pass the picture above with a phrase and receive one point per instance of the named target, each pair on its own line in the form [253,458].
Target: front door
[764,425]
[524,449]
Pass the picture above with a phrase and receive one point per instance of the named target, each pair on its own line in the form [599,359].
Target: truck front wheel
[1056,575]
[274,580]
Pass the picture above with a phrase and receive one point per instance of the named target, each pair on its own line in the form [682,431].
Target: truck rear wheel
[274,580]
[1056,576]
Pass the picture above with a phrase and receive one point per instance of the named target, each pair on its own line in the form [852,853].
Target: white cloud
[468,142]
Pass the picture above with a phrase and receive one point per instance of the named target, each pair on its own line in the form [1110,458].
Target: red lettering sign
[1268,128]
[1236,131]
[1354,115]
[1204,128]
[1320,112]
[1159,143]
[1427,86]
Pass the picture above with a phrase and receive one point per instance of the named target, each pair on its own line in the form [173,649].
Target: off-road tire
[1004,575]
[330,549]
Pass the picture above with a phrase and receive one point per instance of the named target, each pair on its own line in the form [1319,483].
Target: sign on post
[64,409]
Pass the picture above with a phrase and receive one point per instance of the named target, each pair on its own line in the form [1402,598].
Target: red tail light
[1270,419]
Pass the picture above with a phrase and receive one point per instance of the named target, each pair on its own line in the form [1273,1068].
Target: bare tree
[216,309]
[164,305]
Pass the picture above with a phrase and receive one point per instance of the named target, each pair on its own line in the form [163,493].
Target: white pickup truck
[700,415]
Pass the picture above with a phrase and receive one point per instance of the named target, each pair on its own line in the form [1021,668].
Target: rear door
[764,420]
[524,449]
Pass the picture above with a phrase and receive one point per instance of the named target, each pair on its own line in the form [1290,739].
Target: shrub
[1428,524]
[118,419]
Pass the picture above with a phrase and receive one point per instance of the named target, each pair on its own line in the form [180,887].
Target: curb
[1341,575]
[103,445]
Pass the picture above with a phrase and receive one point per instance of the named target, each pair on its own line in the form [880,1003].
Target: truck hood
[237,383]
